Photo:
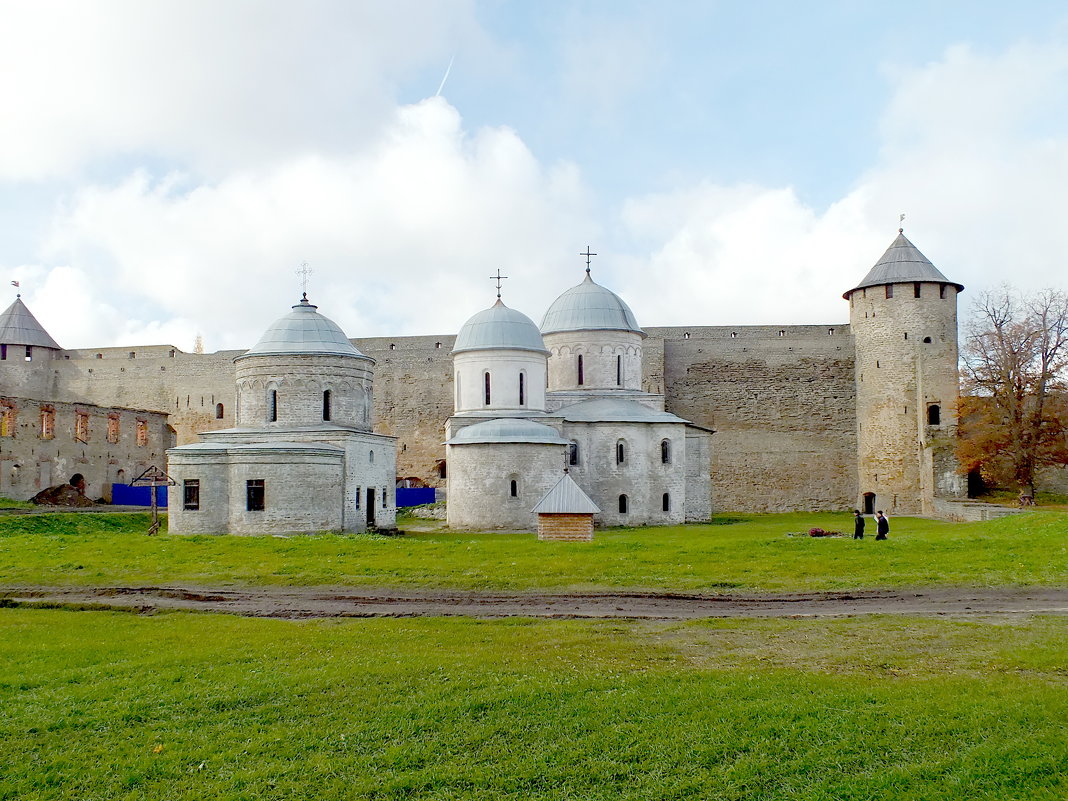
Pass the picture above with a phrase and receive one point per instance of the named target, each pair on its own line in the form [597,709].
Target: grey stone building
[47,435]
[532,404]
[302,457]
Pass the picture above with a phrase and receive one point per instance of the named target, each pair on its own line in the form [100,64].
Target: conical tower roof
[19,327]
[902,264]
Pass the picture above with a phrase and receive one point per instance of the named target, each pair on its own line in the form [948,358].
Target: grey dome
[499,328]
[18,326]
[589,307]
[304,332]
[902,264]
[507,429]
[615,410]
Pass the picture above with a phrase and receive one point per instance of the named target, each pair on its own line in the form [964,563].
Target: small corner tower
[904,321]
[26,351]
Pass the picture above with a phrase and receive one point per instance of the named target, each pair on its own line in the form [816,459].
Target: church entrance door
[869,503]
[370,506]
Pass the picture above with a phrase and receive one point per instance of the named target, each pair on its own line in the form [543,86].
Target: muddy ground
[321,602]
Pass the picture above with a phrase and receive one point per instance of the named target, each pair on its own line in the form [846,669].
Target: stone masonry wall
[783,406]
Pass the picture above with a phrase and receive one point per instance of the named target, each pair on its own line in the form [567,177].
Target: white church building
[302,457]
[533,404]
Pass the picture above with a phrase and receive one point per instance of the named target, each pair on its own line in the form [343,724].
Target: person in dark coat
[882,526]
[858,525]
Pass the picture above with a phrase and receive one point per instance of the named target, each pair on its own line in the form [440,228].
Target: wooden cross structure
[154,477]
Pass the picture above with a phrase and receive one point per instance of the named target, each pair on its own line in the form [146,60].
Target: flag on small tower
[14,283]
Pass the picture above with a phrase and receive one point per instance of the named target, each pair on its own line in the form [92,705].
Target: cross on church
[587,254]
[304,272]
[498,278]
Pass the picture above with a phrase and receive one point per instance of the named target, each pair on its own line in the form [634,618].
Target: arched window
[486,388]
[272,406]
[522,390]
[666,501]
[621,452]
[622,504]
[581,377]
[619,371]
[934,415]
[326,404]
[572,453]
[219,411]
[513,488]
[370,457]
[665,451]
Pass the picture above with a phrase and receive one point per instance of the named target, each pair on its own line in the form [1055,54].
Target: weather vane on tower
[304,271]
[498,278]
[587,254]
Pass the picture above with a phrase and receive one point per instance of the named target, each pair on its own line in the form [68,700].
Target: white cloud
[213,83]
[975,152]
[402,236]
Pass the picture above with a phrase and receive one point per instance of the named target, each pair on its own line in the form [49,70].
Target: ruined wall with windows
[43,444]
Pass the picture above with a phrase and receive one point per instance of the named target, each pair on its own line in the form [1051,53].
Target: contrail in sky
[448,69]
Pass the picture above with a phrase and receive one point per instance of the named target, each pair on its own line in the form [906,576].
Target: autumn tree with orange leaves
[1013,414]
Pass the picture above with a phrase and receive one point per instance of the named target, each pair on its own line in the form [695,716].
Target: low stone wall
[968,511]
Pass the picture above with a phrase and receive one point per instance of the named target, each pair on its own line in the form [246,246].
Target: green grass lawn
[100,705]
[752,552]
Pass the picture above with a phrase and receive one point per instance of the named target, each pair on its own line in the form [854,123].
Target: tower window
[580,374]
[782,332]
[621,452]
[666,502]
[486,389]
[513,488]
[916,290]
[191,494]
[934,415]
[889,290]
[619,371]
[926,340]
[623,504]
[522,390]
[29,353]
[573,453]
[272,406]
[942,291]
[219,411]
[326,404]
[255,495]
[665,451]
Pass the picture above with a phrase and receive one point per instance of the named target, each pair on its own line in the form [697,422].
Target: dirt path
[317,602]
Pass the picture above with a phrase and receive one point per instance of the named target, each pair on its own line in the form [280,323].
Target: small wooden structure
[154,477]
[566,513]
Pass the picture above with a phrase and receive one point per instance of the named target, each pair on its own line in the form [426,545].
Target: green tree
[1014,400]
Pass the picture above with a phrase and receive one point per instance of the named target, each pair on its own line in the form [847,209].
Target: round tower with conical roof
[593,339]
[26,353]
[903,316]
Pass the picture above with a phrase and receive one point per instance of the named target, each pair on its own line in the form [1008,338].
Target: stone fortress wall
[782,400]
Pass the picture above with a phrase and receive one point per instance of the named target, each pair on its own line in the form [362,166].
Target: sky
[166,168]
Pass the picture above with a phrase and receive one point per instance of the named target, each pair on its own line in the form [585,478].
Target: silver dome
[304,332]
[499,328]
[507,429]
[589,307]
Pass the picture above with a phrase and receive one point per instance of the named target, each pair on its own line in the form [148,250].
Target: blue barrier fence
[415,496]
[125,495]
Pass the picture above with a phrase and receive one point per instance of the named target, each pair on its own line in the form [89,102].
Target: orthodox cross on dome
[304,271]
[587,254]
[498,278]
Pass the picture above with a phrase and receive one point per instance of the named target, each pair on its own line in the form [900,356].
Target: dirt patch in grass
[325,602]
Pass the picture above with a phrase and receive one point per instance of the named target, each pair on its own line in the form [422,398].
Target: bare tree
[1013,410]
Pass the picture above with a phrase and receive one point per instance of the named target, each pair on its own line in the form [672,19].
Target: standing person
[882,526]
[858,525]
